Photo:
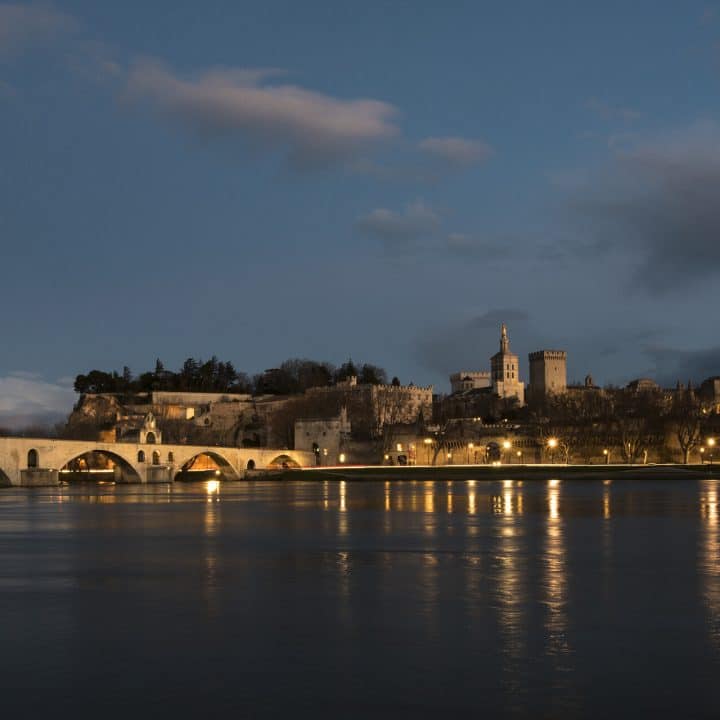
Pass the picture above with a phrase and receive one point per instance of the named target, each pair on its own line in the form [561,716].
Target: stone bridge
[35,461]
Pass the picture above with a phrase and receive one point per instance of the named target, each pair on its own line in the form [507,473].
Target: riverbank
[500,472]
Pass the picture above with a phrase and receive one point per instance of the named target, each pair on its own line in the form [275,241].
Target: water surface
[362,599]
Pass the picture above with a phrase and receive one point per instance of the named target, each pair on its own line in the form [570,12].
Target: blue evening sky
[386,181]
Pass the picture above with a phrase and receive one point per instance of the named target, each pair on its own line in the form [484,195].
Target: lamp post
[702,454]
[606,453]
[552,444]
[470,446]
[711,445]
[506,447]
[519,457]
[427,442]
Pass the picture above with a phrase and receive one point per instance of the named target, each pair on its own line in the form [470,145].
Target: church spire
[504,342]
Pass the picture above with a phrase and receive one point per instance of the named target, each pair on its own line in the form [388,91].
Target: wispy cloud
[657,204]
[455,150]
[26,399]
[399,230]
[608,111]
[24,26]
[310,127]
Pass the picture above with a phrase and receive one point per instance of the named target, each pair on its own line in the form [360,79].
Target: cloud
[310,127]
[612,112]
[25,26]
[26,399]
[399,229]
[469,345]
[456,151]
[658,207]
[467,246]
[671,364]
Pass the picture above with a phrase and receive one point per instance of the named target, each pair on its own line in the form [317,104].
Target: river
[542,599]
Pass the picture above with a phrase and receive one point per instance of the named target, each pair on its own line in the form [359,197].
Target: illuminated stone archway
[208,461]
[123,470]
[283,461]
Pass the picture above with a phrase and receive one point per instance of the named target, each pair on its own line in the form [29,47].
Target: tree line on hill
[293,376]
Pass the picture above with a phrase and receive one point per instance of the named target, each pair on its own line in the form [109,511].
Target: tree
[686,418]
[372,375]
[346,370]
[637,418]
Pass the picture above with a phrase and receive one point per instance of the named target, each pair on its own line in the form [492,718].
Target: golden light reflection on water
[472,499]
[429,497]
[211,527]
[710,559]
[555,571]
[606,503]
[343,522]
[512,594]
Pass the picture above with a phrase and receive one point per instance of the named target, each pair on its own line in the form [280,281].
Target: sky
[386,182]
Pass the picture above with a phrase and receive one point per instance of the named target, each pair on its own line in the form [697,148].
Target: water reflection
[555,580]
[512,588]
[710,559]
[343,523]
[211,529]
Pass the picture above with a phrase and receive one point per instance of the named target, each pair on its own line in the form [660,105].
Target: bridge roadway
[38,461]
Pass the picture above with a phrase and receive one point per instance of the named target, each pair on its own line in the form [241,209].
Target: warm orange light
[553,442]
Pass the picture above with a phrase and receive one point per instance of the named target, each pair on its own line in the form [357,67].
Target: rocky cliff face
[91,415]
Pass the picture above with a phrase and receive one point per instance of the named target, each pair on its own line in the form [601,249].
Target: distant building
[548,373]
[643,385]
[473,380]
[505,371]
[145,432]
[325,438]
[709,391]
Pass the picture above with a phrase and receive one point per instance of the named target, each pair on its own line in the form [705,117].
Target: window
[250,464]
[141,456]
[171,457]
[33,459]
[156,458]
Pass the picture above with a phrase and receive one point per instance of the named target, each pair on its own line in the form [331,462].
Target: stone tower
[505,371]
[548,373]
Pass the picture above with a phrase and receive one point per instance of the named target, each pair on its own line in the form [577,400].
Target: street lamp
[470,446]
[606,453]
[711,445]
[428,442]
[506,446]
[702,455]
[552,444]
[449,458]
[519,456]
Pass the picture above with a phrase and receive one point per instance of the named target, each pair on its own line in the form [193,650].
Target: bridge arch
[218,464]
[283,461]
[124,470]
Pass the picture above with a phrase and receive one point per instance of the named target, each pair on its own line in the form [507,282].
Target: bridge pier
[39,477]
[158,474]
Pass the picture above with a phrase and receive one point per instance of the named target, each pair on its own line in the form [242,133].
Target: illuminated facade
[505,371]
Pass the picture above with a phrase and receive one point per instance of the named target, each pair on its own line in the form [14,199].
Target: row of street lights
[553,444]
